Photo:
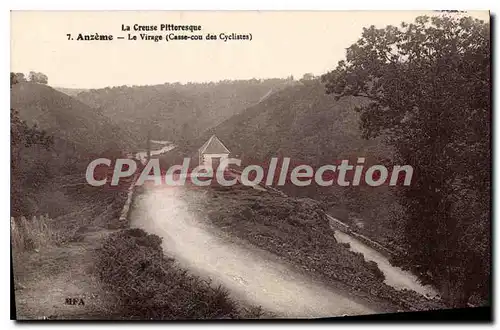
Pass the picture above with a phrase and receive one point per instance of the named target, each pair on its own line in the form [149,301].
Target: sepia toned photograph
[250,165]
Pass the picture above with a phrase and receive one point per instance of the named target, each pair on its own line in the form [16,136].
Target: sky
[283,44]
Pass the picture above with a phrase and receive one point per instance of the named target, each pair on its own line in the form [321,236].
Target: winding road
[251,274]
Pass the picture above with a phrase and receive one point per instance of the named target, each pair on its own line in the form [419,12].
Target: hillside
[67,118]
[310,127]
[178,111]
[73,92]
[300,122]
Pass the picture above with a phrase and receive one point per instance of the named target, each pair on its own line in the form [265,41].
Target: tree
[19,77]
[427,86]
[308,76]
[43,79]
[22,136]
[38,77]
[33,76]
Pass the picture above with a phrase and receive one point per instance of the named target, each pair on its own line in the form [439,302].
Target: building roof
[213,146]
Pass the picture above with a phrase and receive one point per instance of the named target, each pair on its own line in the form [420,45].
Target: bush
[376,271]
[27,235]
[149,286]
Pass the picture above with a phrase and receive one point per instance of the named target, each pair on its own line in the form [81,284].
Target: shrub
[298,230]
[27,235]
[374,268]
[149,286]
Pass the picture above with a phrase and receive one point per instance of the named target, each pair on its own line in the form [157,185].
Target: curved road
[251,274]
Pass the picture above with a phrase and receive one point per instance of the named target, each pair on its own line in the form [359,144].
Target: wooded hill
[176,111]
[67,118]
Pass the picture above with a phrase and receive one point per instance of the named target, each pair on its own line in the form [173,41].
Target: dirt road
[252,275]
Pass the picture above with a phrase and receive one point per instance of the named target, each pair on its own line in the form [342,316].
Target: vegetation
[416,94]
[53,209]
[53,138]
[83,129]
[150,286]
[38,77]
[53,257]
[23,137]
[427,91]
[177,112]
[34,77]
[50,201]
[17,77]
[29,235]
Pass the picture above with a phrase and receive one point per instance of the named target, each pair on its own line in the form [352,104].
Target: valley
[209,232]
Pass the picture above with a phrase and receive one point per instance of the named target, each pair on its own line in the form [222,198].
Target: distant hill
[68,119]
[73,92]
[178,112]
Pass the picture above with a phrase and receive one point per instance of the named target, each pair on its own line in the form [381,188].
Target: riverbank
[395,277]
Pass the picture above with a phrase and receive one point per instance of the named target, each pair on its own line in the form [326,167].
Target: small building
[213,152]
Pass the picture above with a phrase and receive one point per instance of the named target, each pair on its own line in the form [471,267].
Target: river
[394,276]
[166,146]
